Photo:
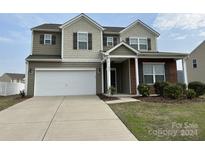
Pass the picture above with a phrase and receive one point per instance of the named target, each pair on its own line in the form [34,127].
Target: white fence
[7,88]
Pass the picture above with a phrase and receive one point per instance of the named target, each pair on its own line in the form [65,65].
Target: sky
[178,32]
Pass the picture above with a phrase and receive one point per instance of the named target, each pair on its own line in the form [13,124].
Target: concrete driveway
[62,118]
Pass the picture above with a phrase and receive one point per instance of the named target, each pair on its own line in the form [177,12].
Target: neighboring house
[81,57]
[13,78]
[196,64]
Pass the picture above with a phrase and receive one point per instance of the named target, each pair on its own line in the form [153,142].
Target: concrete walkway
[62,118]
[122,100]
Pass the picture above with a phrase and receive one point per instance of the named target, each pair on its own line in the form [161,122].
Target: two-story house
[81,57]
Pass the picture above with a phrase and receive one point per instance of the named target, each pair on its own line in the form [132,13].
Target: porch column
[108,75]
[185,71]
[136,74]
[102,77]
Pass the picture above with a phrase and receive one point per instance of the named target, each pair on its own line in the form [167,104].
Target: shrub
[173,91]
[198,87]
[159,87]
[183,86]
[190,94]
[22,94]
[144,90]
[112,90]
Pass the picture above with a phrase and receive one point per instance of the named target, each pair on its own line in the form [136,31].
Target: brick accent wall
[133,76]
[170,69]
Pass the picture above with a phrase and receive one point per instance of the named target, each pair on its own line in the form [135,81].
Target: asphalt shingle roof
[113,29]
[16,75]
[56,27]
[48,26]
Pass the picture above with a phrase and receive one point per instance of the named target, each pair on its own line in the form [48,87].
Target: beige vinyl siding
[122,50]
[197,74]
[41,49]
[81,26]
[105,48]
[33,65]
[139,31]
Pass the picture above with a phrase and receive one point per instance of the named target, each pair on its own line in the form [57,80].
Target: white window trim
[138,43]
[110,41]
[134,43]
[81,41]
[153,69]
[48,39]
[142,43]
[194,63]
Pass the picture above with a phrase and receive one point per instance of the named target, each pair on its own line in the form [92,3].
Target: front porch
[120,73]
[124,68]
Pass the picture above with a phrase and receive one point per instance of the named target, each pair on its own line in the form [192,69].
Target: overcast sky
[179,32]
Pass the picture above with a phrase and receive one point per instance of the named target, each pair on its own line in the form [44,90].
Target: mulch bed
[107,98]
[158,99]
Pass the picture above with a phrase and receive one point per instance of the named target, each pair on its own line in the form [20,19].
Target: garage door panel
[59,83]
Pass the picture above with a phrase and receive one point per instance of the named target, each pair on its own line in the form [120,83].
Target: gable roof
[15,75]
[202,43]
[141,23]
[82,15]
[120,44]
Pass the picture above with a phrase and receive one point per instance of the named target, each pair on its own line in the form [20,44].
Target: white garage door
[65,82]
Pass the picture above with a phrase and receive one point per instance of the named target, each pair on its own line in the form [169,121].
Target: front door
[114,78]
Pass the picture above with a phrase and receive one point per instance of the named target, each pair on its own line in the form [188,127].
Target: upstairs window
[82,40]
[139,43]
[194,63]
[48,39]
[134,42]
[143,44]
[109,41]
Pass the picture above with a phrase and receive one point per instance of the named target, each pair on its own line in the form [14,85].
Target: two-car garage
[62,82]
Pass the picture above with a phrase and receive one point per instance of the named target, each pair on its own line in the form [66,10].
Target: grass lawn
[163,121]
[7,101]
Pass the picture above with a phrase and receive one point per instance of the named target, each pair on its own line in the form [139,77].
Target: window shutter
[127,40]
[75,41]
[53,39]
[115,41]
[41,39]
[89,41]
[149,43]
[104,41]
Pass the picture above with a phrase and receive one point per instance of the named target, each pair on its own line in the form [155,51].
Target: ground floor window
[153,72]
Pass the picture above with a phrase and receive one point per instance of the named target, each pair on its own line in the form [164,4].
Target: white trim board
[121,56]
[81,60]
[117,46]
[64,69]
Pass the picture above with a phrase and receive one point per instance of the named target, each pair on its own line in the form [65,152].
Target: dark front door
[114,78]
